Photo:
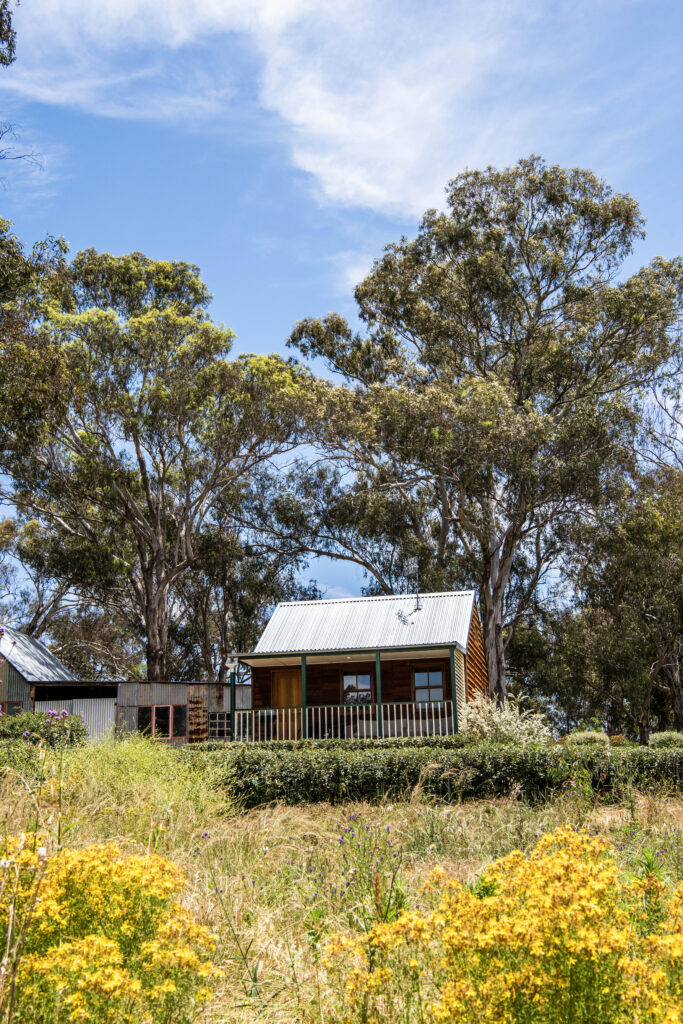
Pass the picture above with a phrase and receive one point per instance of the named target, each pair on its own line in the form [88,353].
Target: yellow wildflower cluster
[561,935]
[98,936]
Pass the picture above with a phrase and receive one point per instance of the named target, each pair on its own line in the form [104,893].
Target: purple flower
[27,734]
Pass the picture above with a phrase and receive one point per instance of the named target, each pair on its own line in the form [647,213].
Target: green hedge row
[256,775]
[390,743]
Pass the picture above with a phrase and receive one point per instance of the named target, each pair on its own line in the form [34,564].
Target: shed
[33,679]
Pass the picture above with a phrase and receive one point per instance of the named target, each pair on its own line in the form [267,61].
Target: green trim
[304,705]
[378,694]
[353,650]
[454,690]
[233,695]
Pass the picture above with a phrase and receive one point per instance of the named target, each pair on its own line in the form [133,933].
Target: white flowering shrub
[512,723]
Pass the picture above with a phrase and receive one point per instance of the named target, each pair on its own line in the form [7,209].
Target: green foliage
[158,426]
[53,729]
[587,737]
[460,739]
[19,758]
[498,376]
[666,739]
[256,775]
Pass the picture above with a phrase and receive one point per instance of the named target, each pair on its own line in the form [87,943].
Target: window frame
[428,666]
[171,721]
[348,672]
[5,705]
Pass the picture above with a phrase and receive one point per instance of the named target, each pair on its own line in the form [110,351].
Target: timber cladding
[476,672]
[324,682]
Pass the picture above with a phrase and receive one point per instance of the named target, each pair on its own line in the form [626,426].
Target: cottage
[358,668]
[400,665]
[33,679]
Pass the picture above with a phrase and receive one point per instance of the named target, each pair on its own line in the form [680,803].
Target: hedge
[257,774]
[456,741]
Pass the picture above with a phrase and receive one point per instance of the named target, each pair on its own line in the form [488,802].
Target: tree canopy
[500,370]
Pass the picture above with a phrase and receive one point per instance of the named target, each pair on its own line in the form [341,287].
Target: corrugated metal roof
[363,623]
[31,658]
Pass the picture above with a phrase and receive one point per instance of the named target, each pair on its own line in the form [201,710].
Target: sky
[280,144]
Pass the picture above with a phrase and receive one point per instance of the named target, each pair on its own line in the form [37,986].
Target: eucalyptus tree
[500,363]
[157,423]
[221,605]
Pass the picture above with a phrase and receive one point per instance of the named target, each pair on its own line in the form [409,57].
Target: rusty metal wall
[198,712]
[200,698]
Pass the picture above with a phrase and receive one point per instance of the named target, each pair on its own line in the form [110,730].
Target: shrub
[255,775]
[446,742]
[483,719]
[587,738]
[96,935]
[19,757]
[54,728]
[666,739]
[557,936]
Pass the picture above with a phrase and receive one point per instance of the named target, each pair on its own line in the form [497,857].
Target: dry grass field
[273,884]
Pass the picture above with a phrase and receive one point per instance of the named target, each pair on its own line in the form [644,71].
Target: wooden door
[285,693]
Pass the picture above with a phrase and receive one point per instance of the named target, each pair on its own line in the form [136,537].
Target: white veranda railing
[345,721]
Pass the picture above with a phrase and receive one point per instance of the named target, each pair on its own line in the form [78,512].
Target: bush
[587,738]
[96,935]
[53,728]
[19,757]
[256,775]
[484,720]
[558,936]
[666,739]
[451,742]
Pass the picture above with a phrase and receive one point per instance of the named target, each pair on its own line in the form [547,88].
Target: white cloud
[380,101]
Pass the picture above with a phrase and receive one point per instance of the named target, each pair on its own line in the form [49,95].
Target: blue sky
[279,144]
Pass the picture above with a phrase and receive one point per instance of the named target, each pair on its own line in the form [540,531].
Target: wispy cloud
[379,101]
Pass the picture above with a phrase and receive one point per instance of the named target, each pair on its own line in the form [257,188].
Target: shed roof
[370,623]
[32,659]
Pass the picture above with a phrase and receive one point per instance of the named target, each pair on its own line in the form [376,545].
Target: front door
[286,695]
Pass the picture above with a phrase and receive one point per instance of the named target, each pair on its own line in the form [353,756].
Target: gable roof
[32,659]
[370,623]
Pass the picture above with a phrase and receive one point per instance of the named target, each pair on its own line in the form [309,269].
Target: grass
[275,882]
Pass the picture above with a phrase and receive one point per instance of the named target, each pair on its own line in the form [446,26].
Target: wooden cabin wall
[476,671]
[323,682]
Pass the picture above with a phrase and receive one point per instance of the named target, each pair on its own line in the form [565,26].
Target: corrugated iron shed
[31,658]
[362,623]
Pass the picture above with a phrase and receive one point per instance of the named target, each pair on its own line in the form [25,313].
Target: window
[357,688]
[11,707]
[219,725]
[428,685]
[163,721]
